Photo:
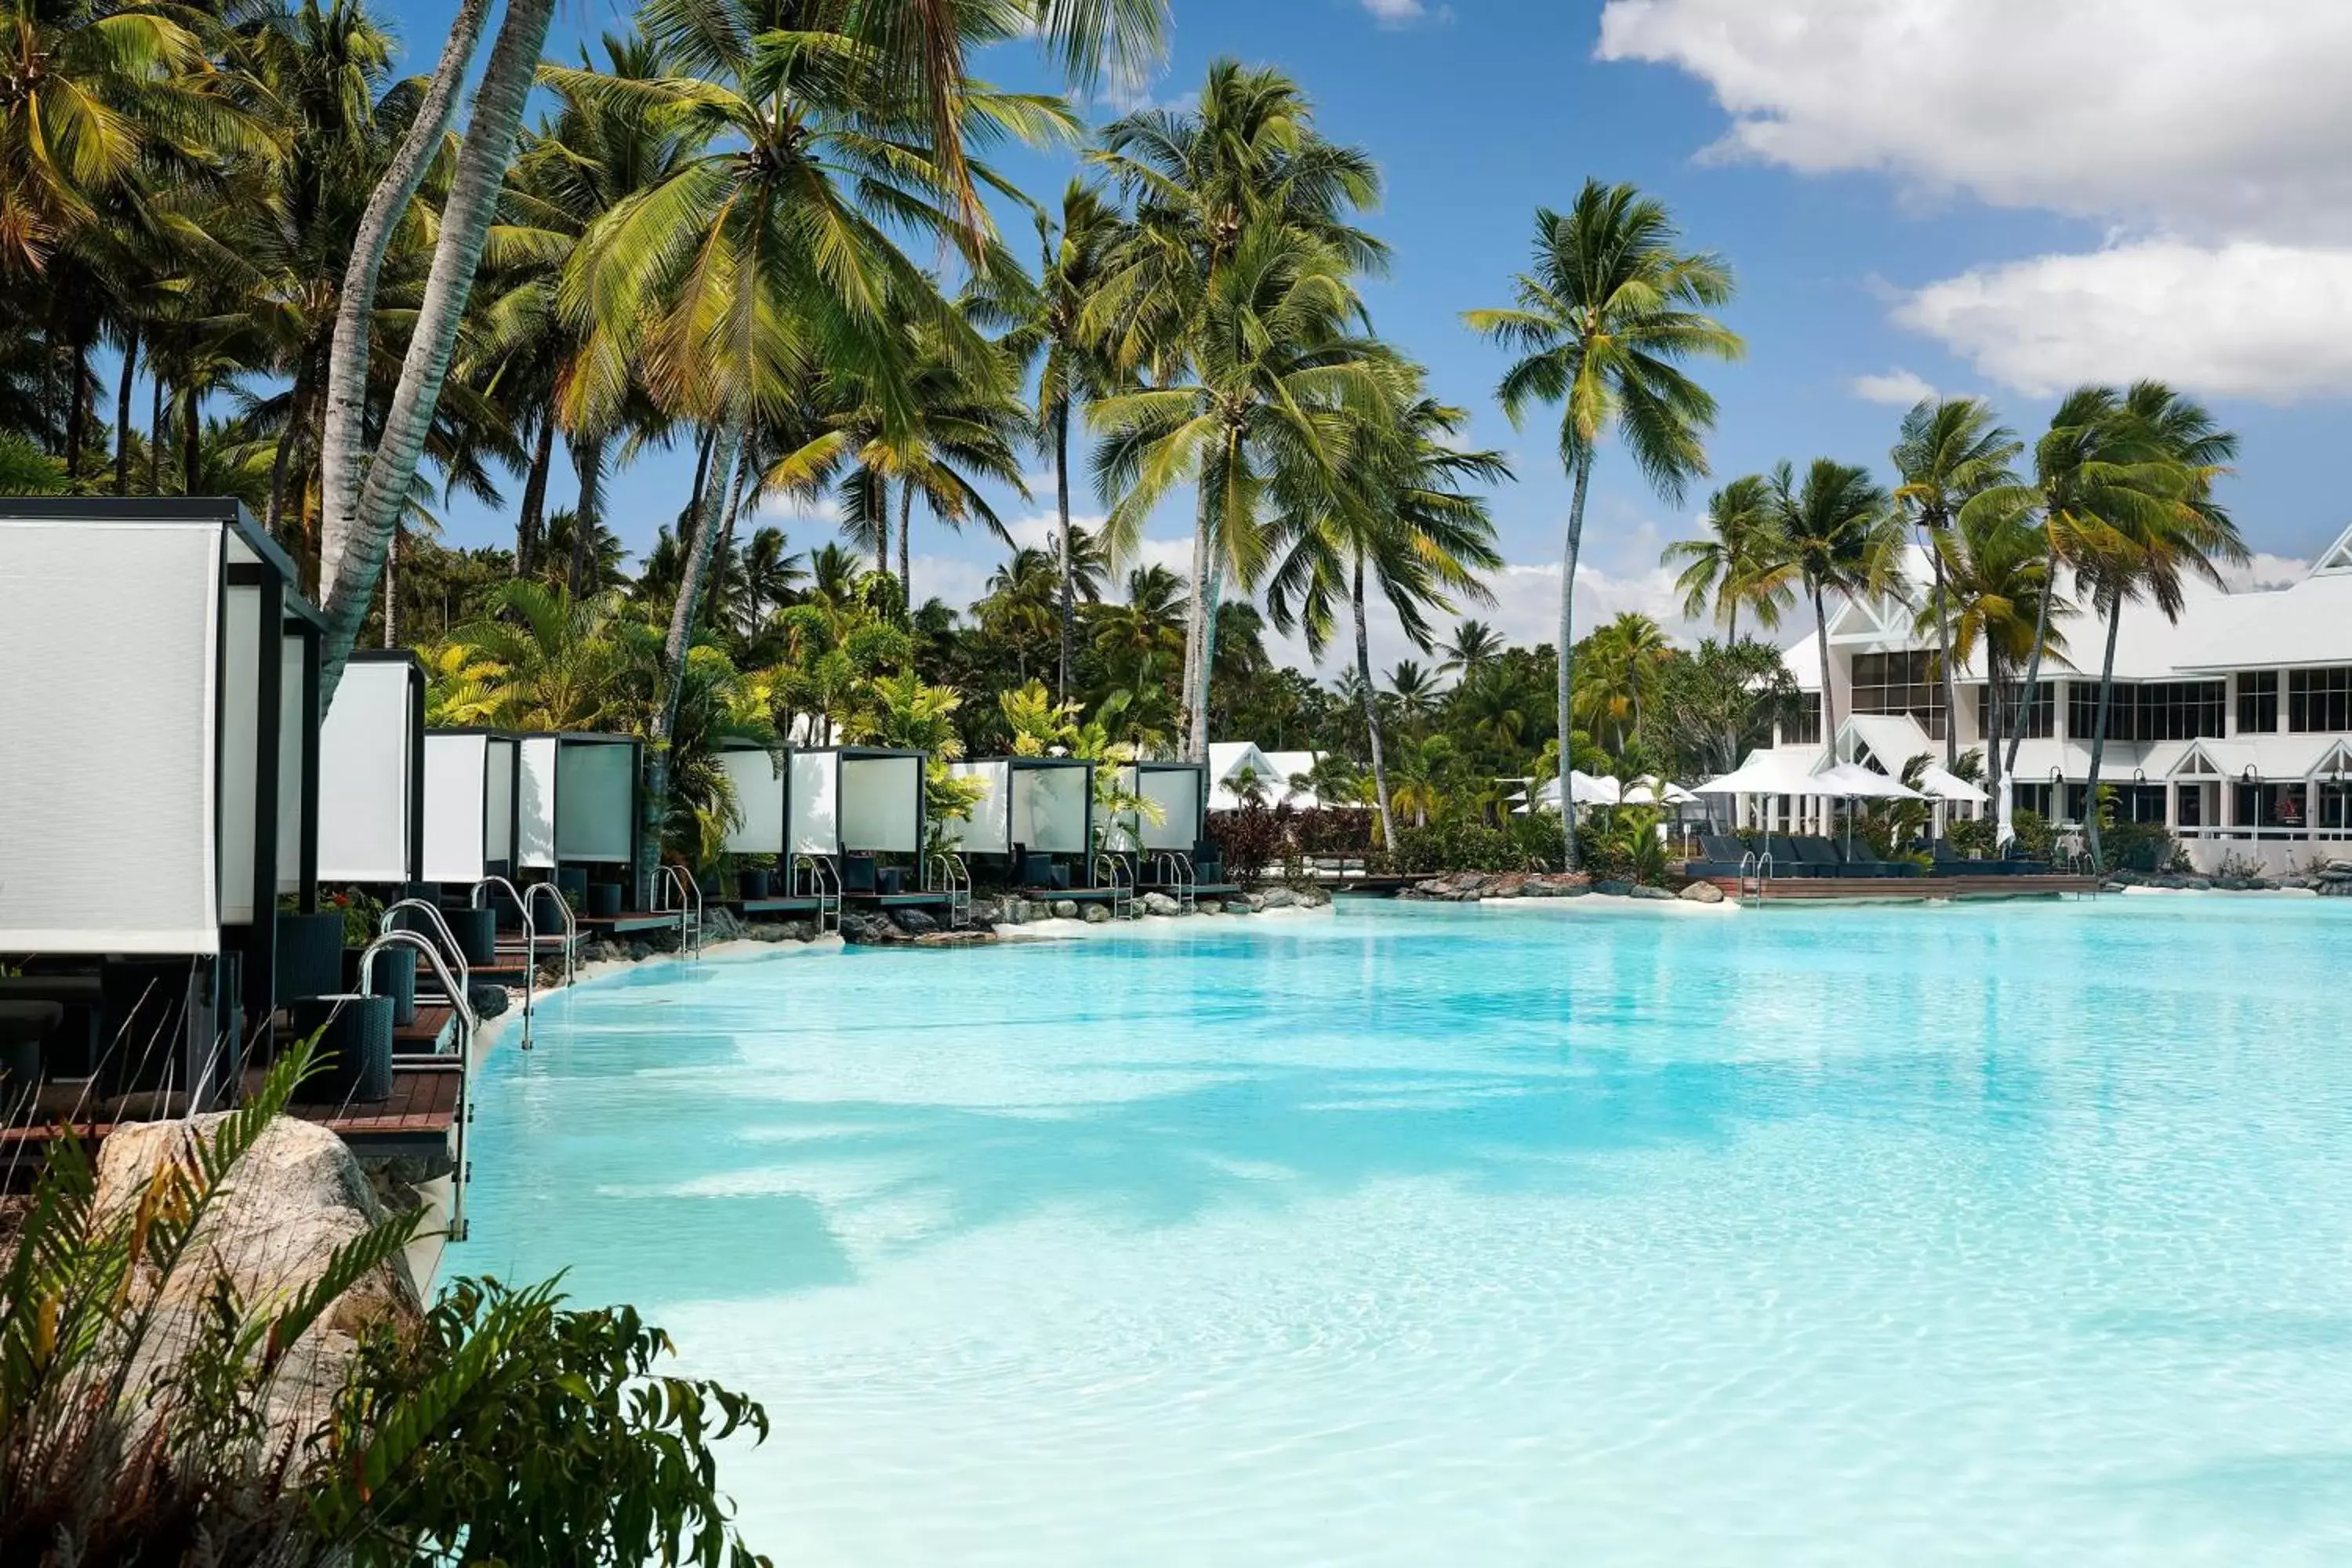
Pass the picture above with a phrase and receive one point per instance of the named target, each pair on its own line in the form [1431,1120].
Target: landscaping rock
[638,953]
[1644,890]
[1097,915]
[955,939]
[1277,899]
[1505,887]
[1702,893]
[605,953]
[490,1001]
[1256,902]
[1614,888]
[720,924]
[914,922]
[870,931]
[1314,898]
[1239,907]
[1160,904]
[2117,888]
[1065,908]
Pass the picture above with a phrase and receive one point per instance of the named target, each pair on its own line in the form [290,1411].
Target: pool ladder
[459,1062]
[823,884]
[945,872]
[1172,868]
[1121,883]
[529,942]
[675,880]
[1754,874]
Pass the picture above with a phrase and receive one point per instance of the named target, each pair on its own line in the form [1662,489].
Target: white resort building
[2233,726]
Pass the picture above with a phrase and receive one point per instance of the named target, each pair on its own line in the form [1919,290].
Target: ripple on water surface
[2011,1234]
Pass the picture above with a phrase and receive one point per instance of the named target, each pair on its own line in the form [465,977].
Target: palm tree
[1996,597]
[2098,471]
[1399,512]
[1474,644]
[1278,385]
[1839,533]
[1604,320]
[1624,658]
[1412,690]
[1210,186]
[1732,564]
[771,572]
[1951,450]
[2158,550]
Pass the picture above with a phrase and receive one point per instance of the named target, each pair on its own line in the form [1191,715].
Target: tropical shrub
[2138,845]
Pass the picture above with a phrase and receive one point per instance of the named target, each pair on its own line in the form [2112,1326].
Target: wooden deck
[414,1118]
[1909,890]
[617,925]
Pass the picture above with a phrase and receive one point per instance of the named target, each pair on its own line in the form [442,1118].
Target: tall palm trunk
[387,206]
[587,512]
[2022,719]
[1570,549]
[1196,720]
[298,398]
[1371,712]
[882,524]
[695,571]
[191,440]
[1821,637]
[1070,570]
[122,410]
[356,542]
[1996,718]
[2099,735]
[78,407]
[155,433]
[532,518]
[1944,653]
[905,564]
[392,591]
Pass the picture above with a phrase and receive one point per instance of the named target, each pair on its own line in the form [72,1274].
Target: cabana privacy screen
[576,800]
[469,806]
[371,772]
[1044,805]
[854,800]
[1181,791]
[757,775]
[159,737]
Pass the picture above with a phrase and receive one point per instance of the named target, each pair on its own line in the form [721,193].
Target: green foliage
[1529,843]
[2139,846]
[1625,847]
[2033,835]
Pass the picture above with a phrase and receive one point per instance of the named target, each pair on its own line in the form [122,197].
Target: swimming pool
[1506,1234]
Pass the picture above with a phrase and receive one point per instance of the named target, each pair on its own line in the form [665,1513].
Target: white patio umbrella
[1650,790]
[1940,785]
[1851,781]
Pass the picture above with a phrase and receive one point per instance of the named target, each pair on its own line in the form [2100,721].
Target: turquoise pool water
[1545,1235]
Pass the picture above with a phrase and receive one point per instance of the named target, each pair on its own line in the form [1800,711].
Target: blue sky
[1900,198]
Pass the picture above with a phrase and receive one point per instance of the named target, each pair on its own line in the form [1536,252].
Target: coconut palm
[1996,596]
[1402,513]
[1472,646]
[2158,550]
[1951,450]
[1623,658]
[771,572]
[1609,310]
[1733,563]
[1278,385]
[1839,535]
[1210,186]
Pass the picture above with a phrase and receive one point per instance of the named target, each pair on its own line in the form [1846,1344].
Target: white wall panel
[108,649]
[240,752]
[595,801]
[499,798]
[537,782]
[1177,795]
[1049,809]
[813,825]
[882,804]
[455,766]
[366,756]
[290,725]
[759,783]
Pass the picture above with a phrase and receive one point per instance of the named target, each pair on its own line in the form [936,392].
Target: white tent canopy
[1651,790]
[1589,790]
[1043,805]
[371,772]
[1940,785]
[854,800]
[1766,772]
[1852,781]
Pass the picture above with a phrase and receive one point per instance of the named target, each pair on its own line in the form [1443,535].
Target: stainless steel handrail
[689,938]
[529,942]
[467,1024]
[570,925]
[819,869]
[441,924]
[1118,864]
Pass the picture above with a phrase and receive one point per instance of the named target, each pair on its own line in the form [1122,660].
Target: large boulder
[1644,890]
[869,930]
[1065,908]
[1620,889]
[1160,904]
[1097,915]
[1240,907]
[1277,899]
[914,922]
[1702,893]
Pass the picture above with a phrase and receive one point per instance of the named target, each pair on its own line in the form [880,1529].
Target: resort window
[2032,797]
[2319,701]
[2182,710]
[1900,683]
[2258,702]
[1802,727]
[2192,806]
[2082,711]
[2331,807]
[2270,805]
[2125,803]
[2041,720]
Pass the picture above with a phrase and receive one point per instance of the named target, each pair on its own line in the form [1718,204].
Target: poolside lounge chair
[1819,853]
[1720,855]
[1787,862]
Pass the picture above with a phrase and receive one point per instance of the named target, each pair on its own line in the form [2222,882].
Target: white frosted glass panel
[759,803]
[240,744]
[366,751]
[990,831]
[1049,809]
[290,766]
[1178,793]
[498,799]
[454,766]
[108,647]
[882,804]
[595,801]
[536,783]
[813,827]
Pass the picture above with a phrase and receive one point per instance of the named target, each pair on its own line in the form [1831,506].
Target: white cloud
[2178,113]
[2264,570]
[1898,388]
[2246,319]
[1396,13]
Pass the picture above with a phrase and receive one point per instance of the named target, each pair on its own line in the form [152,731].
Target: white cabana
[1042,806]
[854,800]
[1764,772]
[371,772]
[1586,790]
[159,695]
[756,774]
[1180,792]
[1852,781]
[576,800]
[1939,784]
[469,806]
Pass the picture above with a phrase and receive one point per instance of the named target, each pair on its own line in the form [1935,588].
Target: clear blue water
[1489,1235]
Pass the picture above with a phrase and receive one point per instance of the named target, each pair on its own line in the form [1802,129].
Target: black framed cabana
[846,808]
[372,774]
[159,781]
[1036,816]
[579,804]
[469,806]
